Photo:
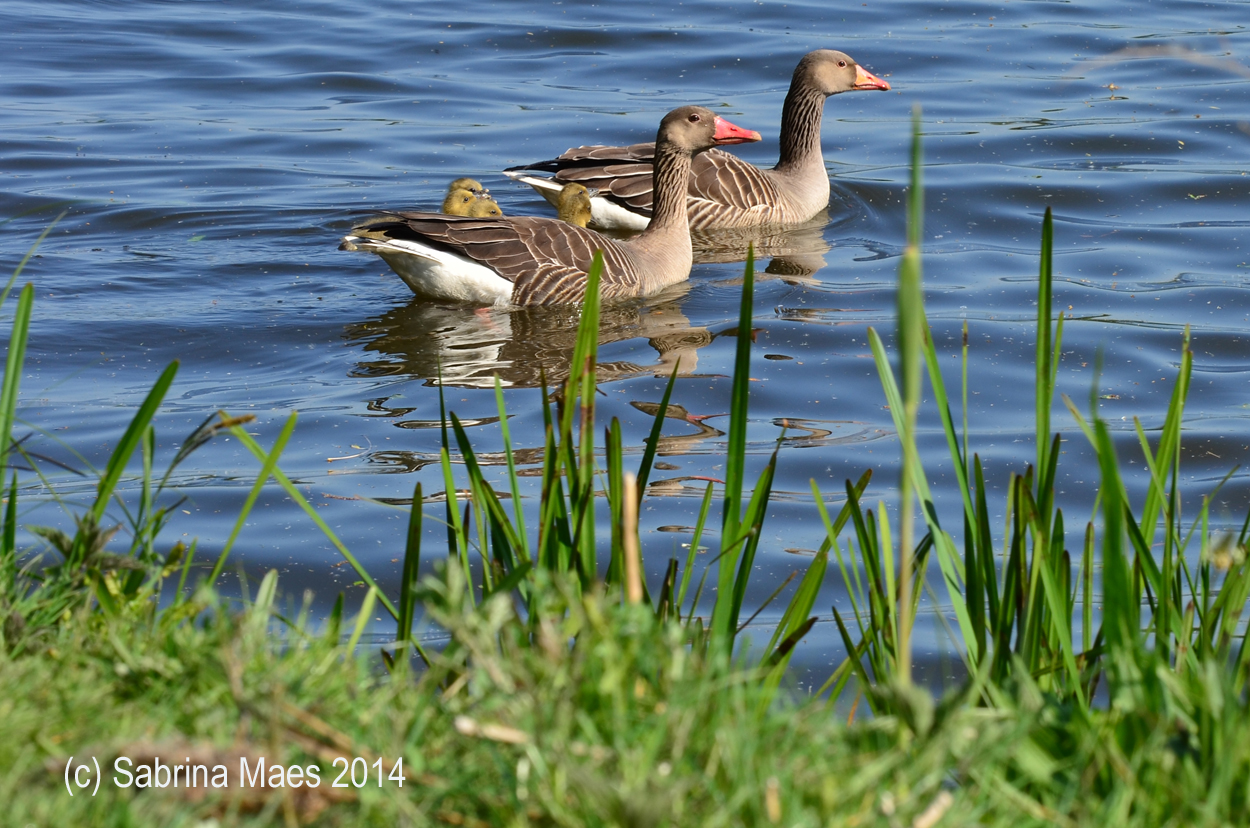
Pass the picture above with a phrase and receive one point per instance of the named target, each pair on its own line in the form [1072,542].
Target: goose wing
[545,259]
[623,174]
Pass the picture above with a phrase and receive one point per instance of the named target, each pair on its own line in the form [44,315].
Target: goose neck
[800,129]
[671,173]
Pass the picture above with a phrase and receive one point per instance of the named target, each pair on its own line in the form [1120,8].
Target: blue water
[210,154]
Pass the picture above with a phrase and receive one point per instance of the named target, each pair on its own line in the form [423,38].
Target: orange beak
[727,133]
[867,80]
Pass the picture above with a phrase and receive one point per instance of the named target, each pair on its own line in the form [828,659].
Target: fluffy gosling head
[469,184]
[574,205]
[485,207]
[458,202]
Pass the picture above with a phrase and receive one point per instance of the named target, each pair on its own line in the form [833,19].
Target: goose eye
[842,64]
[694,116]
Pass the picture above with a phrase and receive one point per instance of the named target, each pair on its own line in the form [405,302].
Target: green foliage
[602,715]
[1161,623]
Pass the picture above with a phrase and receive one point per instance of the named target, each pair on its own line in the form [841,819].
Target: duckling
[574,204]
[484,207]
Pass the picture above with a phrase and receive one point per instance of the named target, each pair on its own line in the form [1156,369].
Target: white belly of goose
[437,274]
[611,216]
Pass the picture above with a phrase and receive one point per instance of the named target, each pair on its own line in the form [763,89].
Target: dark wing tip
[551,165]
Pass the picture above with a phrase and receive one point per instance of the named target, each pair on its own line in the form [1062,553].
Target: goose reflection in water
[469,347]
[793,253]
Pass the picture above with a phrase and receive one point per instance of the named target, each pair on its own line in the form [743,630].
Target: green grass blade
[834,528]
[130,440]
[1080,420]
[958,450]
[653,439]
[457,532]
[615,487]
[579,400]
[985,543]
[411,571]
[1168,454]
[948,557]
[1043,382]
[915,200]
[911,334]
[334,623]
[694,547]
[8,546]
[1056,598]
[268,463]
[513,480]
[1120,610]
[294,494]
[362,619]
[487,500]
[13,370]
[724,619]
[800,606]
[754,520]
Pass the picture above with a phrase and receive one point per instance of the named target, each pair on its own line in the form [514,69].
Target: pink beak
[867,80]
[727,133]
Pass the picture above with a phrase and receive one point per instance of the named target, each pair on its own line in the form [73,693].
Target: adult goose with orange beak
[540,261]
[723,190]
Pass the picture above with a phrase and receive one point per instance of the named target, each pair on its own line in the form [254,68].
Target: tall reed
[1017,606]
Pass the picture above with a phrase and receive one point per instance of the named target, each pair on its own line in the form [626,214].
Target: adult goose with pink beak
[527,260]
[723,190]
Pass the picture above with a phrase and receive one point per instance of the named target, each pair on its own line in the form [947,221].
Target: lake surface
[211,154]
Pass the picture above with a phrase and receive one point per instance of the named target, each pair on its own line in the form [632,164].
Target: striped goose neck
[800,129]
[671,171]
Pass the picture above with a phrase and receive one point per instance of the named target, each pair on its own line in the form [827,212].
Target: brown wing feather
[624,174]
[545,259]
[723,178]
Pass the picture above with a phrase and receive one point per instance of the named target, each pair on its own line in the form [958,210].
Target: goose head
[831,72]
[694,129]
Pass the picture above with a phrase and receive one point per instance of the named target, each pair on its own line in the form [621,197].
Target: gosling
[484,207]
[458,202]
[471,185]
[573,205]
[460,196]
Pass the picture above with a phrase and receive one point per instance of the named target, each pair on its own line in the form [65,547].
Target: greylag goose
[573,204]
[724,190]
[527,260]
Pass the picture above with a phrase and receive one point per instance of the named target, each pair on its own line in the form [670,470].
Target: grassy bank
[628,726]
[1105,652]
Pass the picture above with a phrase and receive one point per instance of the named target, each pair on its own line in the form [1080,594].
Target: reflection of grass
[571,694]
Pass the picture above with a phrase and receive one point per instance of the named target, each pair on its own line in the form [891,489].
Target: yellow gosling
[574,205]
[458,202]
[484,207]
[469,184]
